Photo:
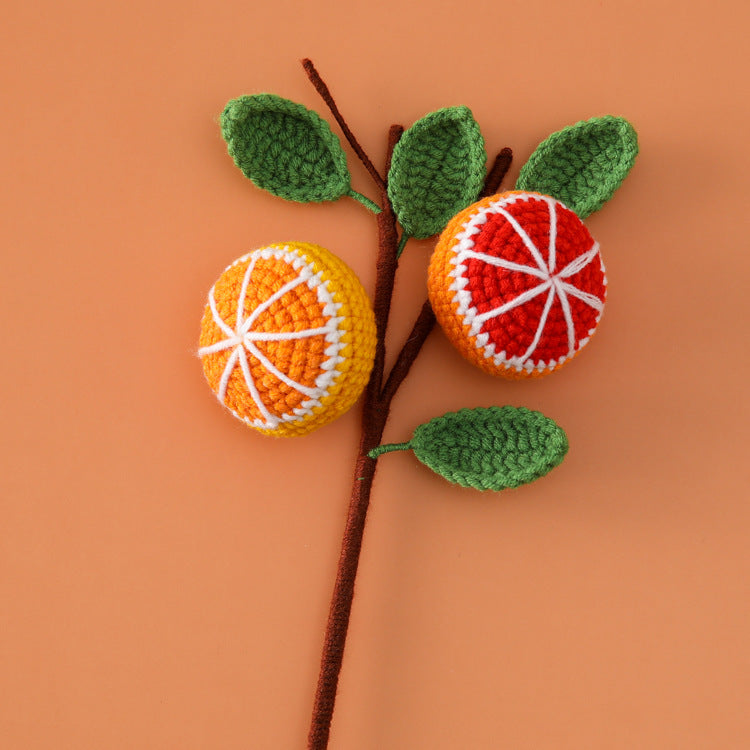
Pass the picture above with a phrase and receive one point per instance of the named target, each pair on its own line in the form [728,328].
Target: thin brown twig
[497,173]
[394,136]
[424,323]
[385,275]
[325,94]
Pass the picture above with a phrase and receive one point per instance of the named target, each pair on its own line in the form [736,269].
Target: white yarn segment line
[242,339]
[546,272]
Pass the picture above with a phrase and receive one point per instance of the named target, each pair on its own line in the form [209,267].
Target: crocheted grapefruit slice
[287,338]
[518,284]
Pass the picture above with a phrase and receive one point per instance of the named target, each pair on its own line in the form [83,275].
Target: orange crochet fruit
[517,284]
[288,338]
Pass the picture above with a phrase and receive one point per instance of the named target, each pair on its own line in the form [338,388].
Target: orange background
[165,572]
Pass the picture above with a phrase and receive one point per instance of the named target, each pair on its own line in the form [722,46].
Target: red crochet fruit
[518,284]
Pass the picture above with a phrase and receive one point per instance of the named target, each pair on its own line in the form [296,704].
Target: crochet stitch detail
[285,148]
[438,169]
[517,284]
[582,165]
[288,338]
[488,449]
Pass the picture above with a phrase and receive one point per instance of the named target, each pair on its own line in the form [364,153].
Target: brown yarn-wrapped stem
[424,323]
[374,416]
[343,595]
[376,407]
[394,136]
[325,95]
[497,173]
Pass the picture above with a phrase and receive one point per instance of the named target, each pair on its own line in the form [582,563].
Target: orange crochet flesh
[287,338]
[517,284]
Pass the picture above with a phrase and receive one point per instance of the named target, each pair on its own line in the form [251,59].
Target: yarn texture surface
[285,148]
[438,168]
[488,449]
[517,283]
[287,338]
[582,165]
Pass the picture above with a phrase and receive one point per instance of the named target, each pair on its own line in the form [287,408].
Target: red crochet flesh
[491,287]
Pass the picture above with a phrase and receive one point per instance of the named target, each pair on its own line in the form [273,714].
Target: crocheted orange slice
[518,284]
[287,338]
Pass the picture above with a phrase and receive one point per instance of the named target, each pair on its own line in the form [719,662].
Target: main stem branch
[374,417]
[377,404]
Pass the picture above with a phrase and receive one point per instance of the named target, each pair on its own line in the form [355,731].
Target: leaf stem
[389,448]
[325,95]
[402,244]
[365,201]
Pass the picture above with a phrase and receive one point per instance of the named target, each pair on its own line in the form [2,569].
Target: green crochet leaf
[488,449]
[582,165]
[436,171]
[285,148]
